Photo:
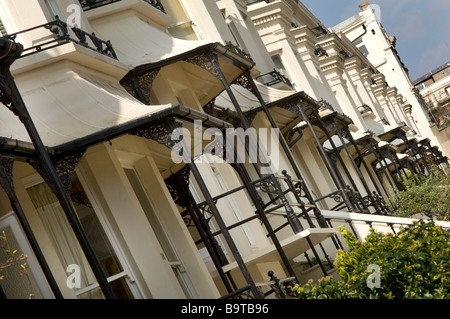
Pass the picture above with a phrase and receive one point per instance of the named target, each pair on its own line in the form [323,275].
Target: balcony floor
[293,246]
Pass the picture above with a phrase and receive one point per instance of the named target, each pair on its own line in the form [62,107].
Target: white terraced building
[92,92]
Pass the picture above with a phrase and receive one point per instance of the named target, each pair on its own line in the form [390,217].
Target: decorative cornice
[271,12]
[407,108]
[391,91]
[267,19]
[353,63]
[331,63]
[304,34]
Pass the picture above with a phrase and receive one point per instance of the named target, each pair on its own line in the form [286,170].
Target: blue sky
[422,27]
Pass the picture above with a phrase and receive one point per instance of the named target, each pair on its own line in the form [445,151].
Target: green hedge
[414,263]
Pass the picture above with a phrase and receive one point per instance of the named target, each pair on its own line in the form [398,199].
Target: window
[420,86]
[161,233]
[235,33]
[16,284]
[278,63]
[362,47]
[68,249]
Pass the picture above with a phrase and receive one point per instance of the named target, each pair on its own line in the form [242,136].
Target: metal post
[234,250]
[211,247]
[317,213]
[393,160]
[326,158]
[385,167]
[290,214]
[6,180]
[422,154]
[19,108]
[259,209]
[378,159]
[358,171]
[366,167]
[344,167]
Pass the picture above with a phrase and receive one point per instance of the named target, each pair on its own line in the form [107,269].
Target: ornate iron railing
[354,197]
[280,287]
[325,105]
[238,50]
[364,108]
[93,4]
[319,51]
[319,31]
[275,78]
[60,33]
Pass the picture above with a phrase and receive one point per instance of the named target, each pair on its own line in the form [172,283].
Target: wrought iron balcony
[275,78]
[92,4]
[238,50]
[319,31]
[60,33]
[384,121]
[325,105]
[319,51]
[365,109]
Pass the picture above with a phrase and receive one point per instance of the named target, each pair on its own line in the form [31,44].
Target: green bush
[430,194]
[414,263]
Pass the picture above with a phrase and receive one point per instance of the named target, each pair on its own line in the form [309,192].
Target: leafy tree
[414,263]
[430,195]
[14,259]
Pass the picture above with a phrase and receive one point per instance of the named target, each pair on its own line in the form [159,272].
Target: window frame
[127,273]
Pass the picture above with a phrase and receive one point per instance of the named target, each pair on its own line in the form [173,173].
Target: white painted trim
[10,220]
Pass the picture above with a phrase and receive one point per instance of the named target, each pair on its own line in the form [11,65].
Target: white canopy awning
[338,143]
[66,105]
[376,127]
[136,42]
[247,100]
[400,156]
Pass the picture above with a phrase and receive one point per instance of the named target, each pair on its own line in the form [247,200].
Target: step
[293,246]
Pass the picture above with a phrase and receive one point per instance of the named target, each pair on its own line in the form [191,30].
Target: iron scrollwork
[65,168]
[293,107]
[187,218]
[281,287]
[81,199]
[140,86]
[6,176]
[267,185]
[204,61]
[161,132]
[206,210]
[93,4]
[8,89]
[337,197]
[62,35]
[244,82]
[178,186]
